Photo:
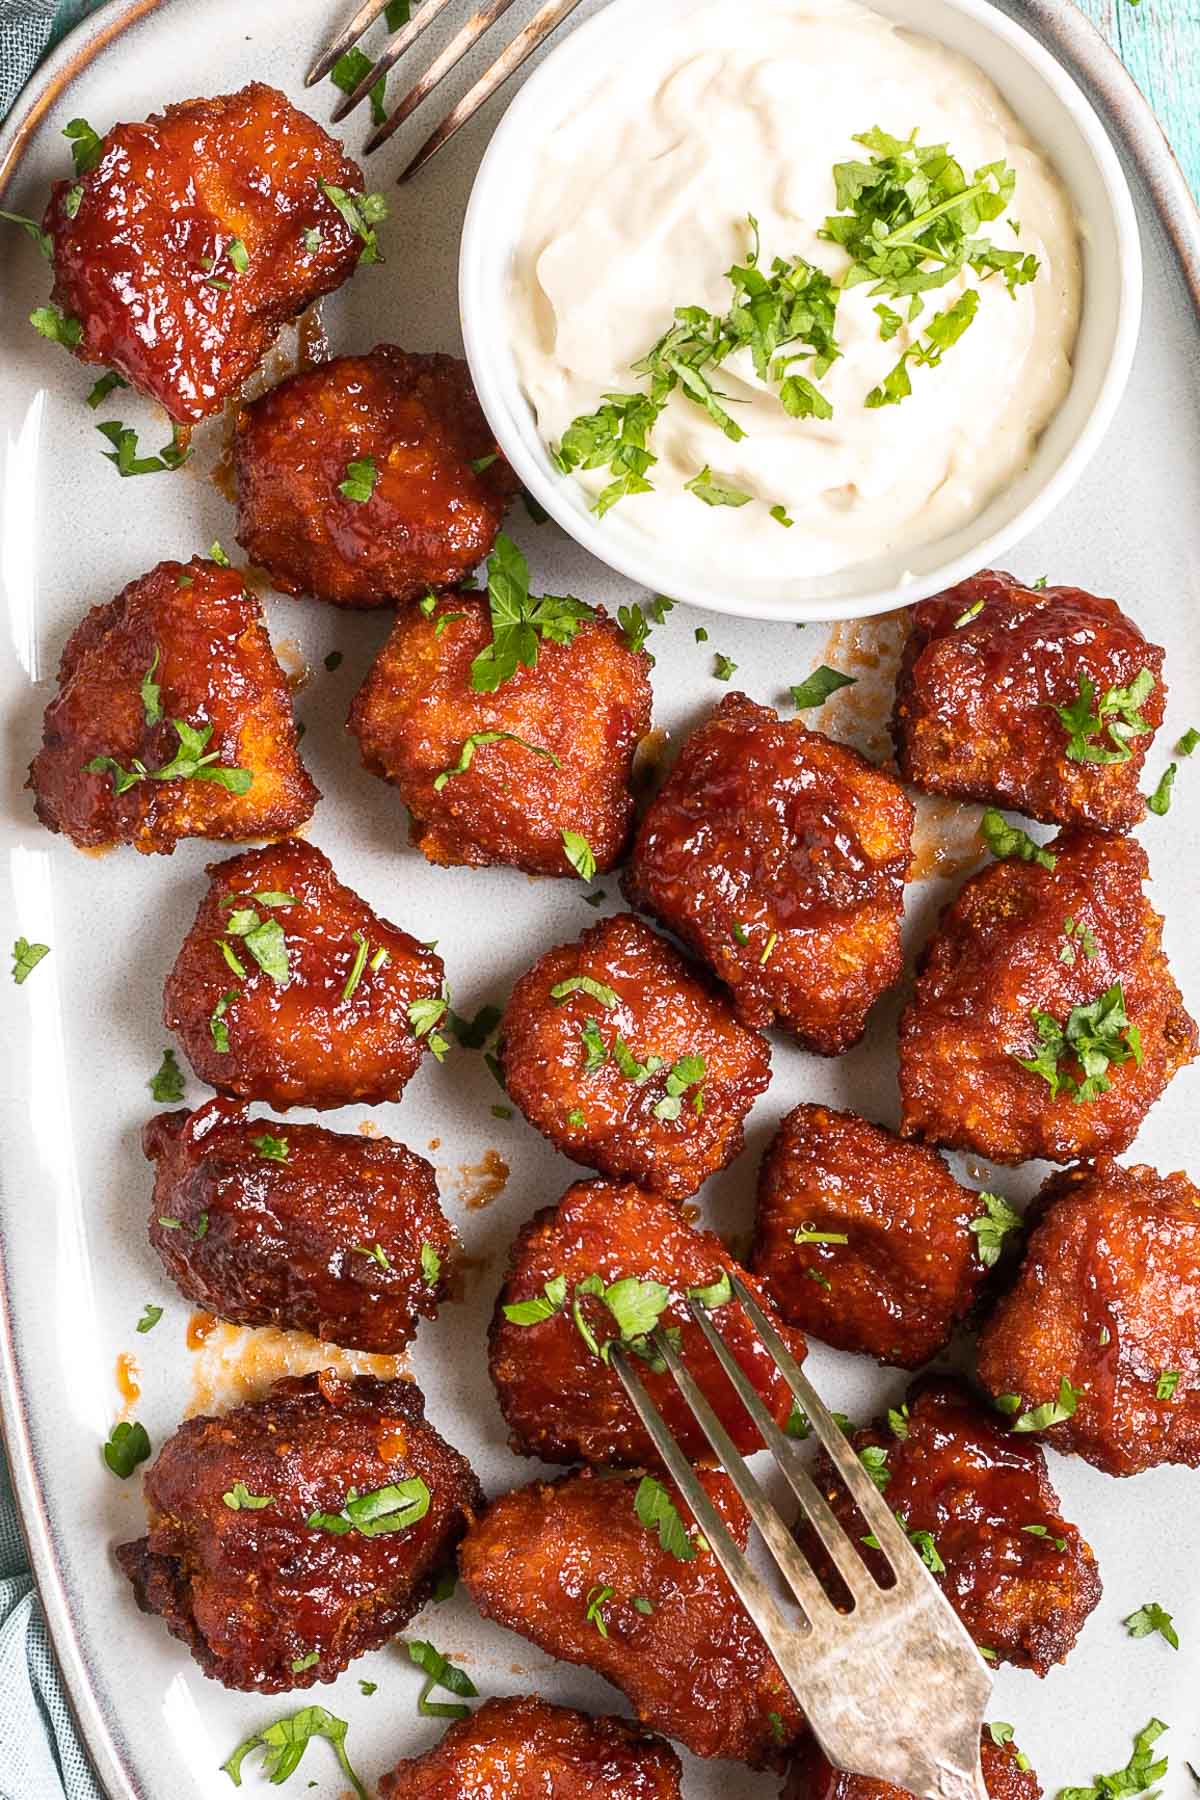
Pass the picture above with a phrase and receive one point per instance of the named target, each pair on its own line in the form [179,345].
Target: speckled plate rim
[1074,40]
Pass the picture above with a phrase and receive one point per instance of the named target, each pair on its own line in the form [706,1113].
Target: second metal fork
[544,21]
[893,1687]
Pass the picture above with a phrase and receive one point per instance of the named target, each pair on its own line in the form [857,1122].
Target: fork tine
[392,51]
[523,45]
[793,1564]
[828,1527]
[363,19]
[480,21]
[779,1635]
[880,1519]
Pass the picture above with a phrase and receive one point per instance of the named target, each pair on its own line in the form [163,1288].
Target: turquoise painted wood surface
[1159,41]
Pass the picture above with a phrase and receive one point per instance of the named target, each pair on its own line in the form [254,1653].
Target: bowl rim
[477,280]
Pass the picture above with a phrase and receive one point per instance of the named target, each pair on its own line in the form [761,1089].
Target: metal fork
[544,21]
[893,1688]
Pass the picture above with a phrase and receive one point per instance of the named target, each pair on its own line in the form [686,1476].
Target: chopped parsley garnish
[1077,937]
[716,1293]
[822,1281]
[635,628]
[395,1507]
[806,1235]
[706,487]
[995,1223]
[942,331]
[26,957]
[166,1084]
[1117,717]
[816,688]
[583,984]
[216,1023]
[424,1015]
[480,739]
[634,1305]
[1043,1531]
[579,854]
[33,230]
[781,516]
[640,1604]
[349,70]
[87,145]
[474,1033]
[283,1745]
[597,1599]
[313,239]
[191,762]
[897,1418]
[520,620]
[1050,1412]
[873,1458]
[531,1312]
[1159,802]
[300,1663]
[361,212]
[1188,742]
[972,612]
[1165,1386]
[700,635]
[374,1253]
[657,1511]
[723,668]
[367,1688]
[264,940]
[238,1498]
[922,1541]
[359,483]
[440,1674]
[1150,1618]
[217,555]
[481,464]
[1140,1772]
[104,387]
[124,456]
[271,1149]
[73,199]
[431,1265]
[59,328]
[687,1072]
[1004,840]
[1095,1037]
[128,1445]
[149,1319]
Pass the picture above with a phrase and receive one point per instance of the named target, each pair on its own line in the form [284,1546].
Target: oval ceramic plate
[83,1034]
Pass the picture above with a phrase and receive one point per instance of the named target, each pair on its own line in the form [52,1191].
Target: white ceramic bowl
[1059,120]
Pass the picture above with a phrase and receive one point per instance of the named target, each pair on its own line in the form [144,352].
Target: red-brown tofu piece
[863,1240]
[315,1007]
[251,1558]
[176,672]
[1016,960]
[552,1559]
[985,669]
[562,1400]
[195,236]
[630,1059]
[548,751]
[779,857]
[437,485]
[310,1230]
[1006,1775]
[976,1499]
[1107,1299]
[523,1749]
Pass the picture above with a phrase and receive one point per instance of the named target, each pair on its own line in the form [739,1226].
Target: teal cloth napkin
[27,30]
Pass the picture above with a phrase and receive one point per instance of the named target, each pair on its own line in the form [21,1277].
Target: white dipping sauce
[639,204]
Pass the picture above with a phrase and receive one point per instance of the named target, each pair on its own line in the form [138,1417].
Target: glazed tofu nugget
[1045,1020]
[293,1534]
[196,235]
[172,720]
[294,1226]
[566,1564]
[290,990]
[532,772]
[978,1505]
[863,1240]
[630,1060]
[779,857]
[370,479]
[523,1749]
[1042,700]
[1006,1776]
[1100,1333]
[611,1264]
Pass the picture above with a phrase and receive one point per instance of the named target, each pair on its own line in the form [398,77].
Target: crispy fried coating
[566,731]
[1020,1578]
[1006,1775]
[904,1265]
[523,1749]
[431,516]
[638,1118]
[976,697]
[311,1230]
[1108,1298]
[193,631]
[693,1667]
[196,236]
[1018,940]
[254,1589]
[562,1401]
[329,1021]
[779,857]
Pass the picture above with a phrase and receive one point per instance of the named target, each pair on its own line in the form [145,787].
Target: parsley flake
[284,1742]
[657,1511]
[1050,1412]
[1159,802]
[87,146]
[57,327]
[238,1498]
[271,1149]
[360,480]
[26,957]
[579,854]
[479,740]
[166,1084]
[996,1222]
[597,1599]
[520,620]
[361,212]
[440,1673]
[1117,717]
[128,1445]
[124,456]
[583,984]
[1096,1037]
[1004,840]
[1150,1618]
[816,688]
[149,1319]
